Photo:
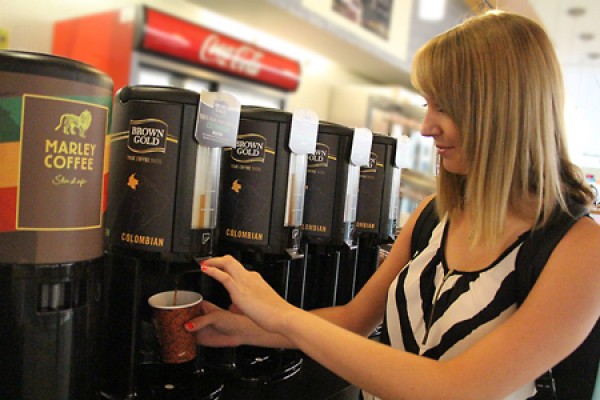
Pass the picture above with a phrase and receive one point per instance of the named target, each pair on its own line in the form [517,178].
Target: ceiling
[575,29]
[291,20]
[580,60]
[577,38]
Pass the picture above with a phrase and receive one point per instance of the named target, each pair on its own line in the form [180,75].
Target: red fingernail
[189,326]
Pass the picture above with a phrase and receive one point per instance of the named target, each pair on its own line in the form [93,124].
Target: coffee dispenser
[161,219]
[54,115]
[378,205]
[330,213]
[262,191]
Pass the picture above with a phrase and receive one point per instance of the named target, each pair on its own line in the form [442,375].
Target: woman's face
[446,137]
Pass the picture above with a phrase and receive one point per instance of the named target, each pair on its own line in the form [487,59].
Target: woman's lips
[443,150]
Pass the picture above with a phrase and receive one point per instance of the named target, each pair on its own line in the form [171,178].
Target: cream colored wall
[317,89]
[349,103]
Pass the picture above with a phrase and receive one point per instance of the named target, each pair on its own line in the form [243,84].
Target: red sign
[180,39]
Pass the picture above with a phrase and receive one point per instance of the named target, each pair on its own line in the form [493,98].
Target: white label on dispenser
[218,119]
[403,152]
[361,147]
[303,131]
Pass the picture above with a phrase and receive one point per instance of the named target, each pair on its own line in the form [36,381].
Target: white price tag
[218,119]
[303,131]
[403,152]
[361,147]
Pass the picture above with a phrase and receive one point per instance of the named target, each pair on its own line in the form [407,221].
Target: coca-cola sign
[243,59]
[181,39]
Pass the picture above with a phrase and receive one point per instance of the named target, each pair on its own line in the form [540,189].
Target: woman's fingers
[228,271]
[251,294]
[235,309]
[227,264]
[206,318]
[219,275]
[216,328]
[208,307]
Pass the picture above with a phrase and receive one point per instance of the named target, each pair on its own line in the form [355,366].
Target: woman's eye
[437,108]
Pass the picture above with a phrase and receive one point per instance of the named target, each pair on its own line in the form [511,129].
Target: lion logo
[75,124]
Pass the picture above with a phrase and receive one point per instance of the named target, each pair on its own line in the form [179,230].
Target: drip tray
[263,365]
[169,382]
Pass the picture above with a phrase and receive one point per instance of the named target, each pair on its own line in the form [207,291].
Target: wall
[30,27]
[582,118]
[317,88]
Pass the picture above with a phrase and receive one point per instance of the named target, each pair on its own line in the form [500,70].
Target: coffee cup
[171,310]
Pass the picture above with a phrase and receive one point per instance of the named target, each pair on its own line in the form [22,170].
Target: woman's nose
[429,127]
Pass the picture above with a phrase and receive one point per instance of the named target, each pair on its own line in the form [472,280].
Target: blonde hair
[497,77]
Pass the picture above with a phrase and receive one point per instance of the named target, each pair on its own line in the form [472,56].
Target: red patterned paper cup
[177,344]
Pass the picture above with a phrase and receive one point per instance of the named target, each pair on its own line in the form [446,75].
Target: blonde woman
[457,330]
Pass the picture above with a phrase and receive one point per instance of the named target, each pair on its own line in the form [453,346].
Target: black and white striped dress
[437,312]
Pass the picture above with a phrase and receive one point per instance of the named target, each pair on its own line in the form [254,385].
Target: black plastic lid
[333,128]
[53,66]
[167,94]
[384,139]
[265,114]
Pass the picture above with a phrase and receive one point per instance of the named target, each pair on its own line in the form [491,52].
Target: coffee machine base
[253,365]
[175,383]
[261,365]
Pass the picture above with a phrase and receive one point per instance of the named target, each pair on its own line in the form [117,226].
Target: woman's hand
[249,292]
[217,327]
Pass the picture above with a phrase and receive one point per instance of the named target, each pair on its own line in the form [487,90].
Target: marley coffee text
[62,145]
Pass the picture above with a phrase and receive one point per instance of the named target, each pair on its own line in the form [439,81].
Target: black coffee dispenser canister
[378,204]
[263,185]
[163,183]
[162,213]
[330,212]
[379,190]
[331,188]
[54,114]
[262,189]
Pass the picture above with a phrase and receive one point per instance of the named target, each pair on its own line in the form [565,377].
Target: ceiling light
[594,55]
[586,36]
[432,10]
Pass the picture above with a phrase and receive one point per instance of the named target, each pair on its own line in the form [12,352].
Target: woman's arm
[218,327]
[556,317]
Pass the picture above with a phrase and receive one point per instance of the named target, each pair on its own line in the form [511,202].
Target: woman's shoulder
[583,231]
[578,250]
[567,236]
[583,236]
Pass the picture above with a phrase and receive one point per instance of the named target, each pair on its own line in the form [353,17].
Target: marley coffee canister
[164,183]
[379,191]
[263,179]
[54,115]
[332,184]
